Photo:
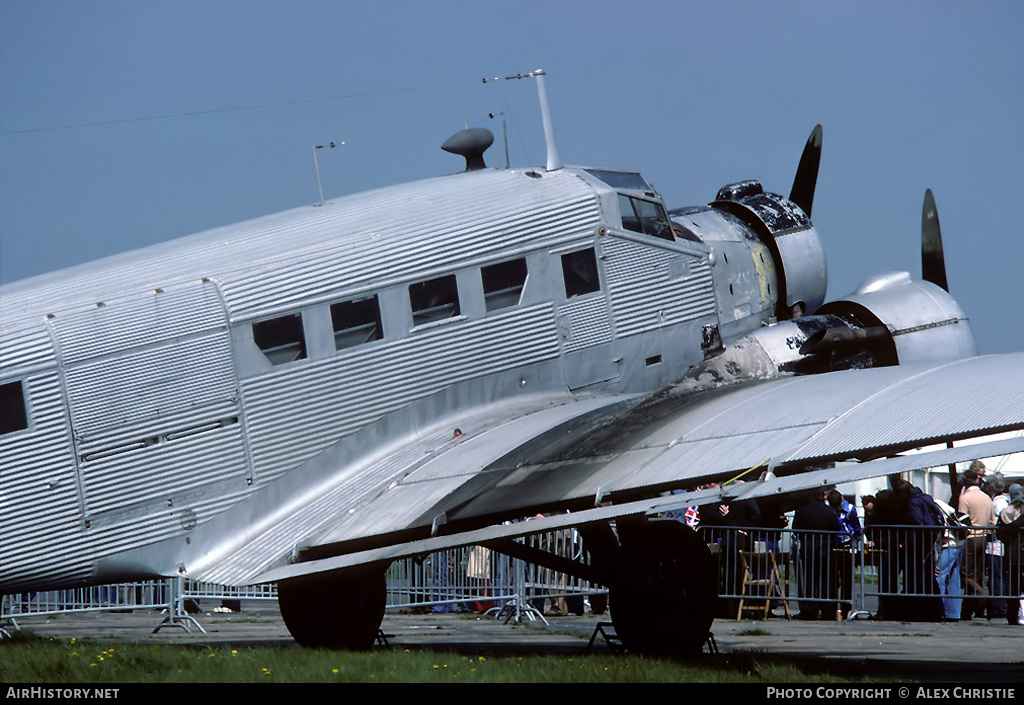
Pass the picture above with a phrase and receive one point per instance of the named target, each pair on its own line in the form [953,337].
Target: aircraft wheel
[341,610]
[663,601]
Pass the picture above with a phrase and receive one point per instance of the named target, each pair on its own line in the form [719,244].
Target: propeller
[933,269]
[807,172]
[933,262]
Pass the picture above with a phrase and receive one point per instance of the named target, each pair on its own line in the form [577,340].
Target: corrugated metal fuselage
[165,386]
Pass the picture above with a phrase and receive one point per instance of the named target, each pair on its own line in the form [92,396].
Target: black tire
[341,610]
[663,602]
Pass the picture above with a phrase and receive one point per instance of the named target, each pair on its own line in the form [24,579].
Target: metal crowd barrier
[473,578]
[478,579]
[892,572]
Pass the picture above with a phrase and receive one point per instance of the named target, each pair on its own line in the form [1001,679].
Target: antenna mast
[316,164]
[554,160]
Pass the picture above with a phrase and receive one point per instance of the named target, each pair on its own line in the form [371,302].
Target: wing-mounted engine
[891,319]
[922,321]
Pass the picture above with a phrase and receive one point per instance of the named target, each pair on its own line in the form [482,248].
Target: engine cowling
[793,241]
[890,320]
[923,321]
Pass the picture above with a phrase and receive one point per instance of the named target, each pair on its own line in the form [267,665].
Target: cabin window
[281,339]
[579,270]
[434,300]
[645,217]
[503,283]
[13,415]
[356,322]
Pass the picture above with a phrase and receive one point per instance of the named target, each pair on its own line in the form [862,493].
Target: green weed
[27,659]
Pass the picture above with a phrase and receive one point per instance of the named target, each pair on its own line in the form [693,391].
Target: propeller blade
[933,262]
[807,172]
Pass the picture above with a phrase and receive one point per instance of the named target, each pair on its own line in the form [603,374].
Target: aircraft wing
[611,456]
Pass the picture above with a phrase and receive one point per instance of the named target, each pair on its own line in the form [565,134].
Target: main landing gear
[662,589]
[661,579]
[339,610]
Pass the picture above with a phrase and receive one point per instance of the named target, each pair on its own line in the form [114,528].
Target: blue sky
[124,124]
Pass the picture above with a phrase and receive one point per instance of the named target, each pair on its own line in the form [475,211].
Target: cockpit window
[646,217]
[621,179]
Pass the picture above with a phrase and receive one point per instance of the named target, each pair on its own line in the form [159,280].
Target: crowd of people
[935,560]
[990,552]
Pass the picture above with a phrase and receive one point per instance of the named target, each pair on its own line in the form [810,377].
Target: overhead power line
[215,111]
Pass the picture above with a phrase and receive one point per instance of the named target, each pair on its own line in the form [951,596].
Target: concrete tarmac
[977,651]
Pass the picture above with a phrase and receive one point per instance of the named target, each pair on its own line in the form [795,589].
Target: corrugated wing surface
[842,415]
[839,416]
[392,491]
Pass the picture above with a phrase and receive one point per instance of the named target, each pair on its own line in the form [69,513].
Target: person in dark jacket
[885,543]
[729,525]
[924,521]
[815,527]
[1011,532]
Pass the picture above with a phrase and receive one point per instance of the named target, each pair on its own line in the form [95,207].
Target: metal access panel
[152,397]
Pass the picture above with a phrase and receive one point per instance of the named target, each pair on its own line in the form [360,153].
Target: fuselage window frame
[504,283]
[13,408]
[356,322]
[579,273]
[281,339]
[434,300]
